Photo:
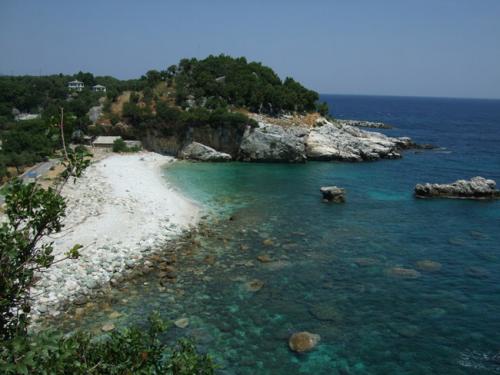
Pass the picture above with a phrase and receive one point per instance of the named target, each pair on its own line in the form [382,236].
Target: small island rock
[333,194]
[475,188]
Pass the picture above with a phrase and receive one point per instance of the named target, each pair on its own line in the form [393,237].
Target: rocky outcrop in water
[284,140]
[273,143]
[335,141]
[198,151]
[475,188]
[333,194]
[365,124]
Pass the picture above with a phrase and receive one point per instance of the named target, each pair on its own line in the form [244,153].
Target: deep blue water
[332,269]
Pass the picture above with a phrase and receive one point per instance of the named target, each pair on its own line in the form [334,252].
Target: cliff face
[226,139]
[323,140]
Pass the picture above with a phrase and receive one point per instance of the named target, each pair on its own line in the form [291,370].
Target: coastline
[121,211]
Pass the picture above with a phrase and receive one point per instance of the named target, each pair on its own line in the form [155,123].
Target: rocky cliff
[270,142]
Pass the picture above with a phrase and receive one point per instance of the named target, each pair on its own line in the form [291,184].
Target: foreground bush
[130,351]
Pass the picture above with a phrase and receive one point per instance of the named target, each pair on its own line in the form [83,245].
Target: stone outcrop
[283,141]
[301,342]
[335,141]
[365,124]
[198,151]
[273,143]
[475,188]
[333,194]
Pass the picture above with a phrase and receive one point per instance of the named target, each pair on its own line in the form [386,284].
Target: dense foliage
[222,80]
[129,351]
[46,94]
[190,94]
[27,142]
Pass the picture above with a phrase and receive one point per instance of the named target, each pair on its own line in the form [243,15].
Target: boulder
[301,342]
[200,152]
[475,188]
[274,143]
[333,194]
[338,141]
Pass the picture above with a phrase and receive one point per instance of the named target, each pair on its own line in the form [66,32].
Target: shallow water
[331,269]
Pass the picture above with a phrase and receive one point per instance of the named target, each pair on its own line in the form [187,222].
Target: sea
[391,283]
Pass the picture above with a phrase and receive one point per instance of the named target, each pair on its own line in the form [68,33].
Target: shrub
[128,351]
[119,145]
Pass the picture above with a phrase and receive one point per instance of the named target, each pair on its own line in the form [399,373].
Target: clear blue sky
[399,47]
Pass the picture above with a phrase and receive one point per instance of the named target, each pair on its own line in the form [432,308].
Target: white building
[105,141]
[76,85]
[99,88]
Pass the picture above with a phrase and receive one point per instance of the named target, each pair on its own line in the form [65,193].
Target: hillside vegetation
[215,91]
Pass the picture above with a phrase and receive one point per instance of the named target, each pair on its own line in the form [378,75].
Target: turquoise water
[332,265]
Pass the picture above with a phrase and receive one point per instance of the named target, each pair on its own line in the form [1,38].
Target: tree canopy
[237,82]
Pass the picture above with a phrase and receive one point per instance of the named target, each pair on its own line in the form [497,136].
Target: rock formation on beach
[198,151]
[475,188]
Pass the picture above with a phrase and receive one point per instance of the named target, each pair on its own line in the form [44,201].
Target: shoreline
[122,211]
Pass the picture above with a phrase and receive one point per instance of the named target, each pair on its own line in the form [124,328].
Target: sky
[445,48]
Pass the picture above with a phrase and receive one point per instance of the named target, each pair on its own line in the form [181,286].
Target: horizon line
[414,96]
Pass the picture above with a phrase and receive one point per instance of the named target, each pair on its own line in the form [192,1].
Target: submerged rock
[404,273]
[325,311]
[115,315]
[198,151]
[475,188]
[428,265]
[333,194]
[365,262]
[264,258]
[254,285]
[477,272]
[108,327]
[182,322]
[301,342]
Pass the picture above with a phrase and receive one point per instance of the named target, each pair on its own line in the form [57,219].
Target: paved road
[34,173]
[38,170]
